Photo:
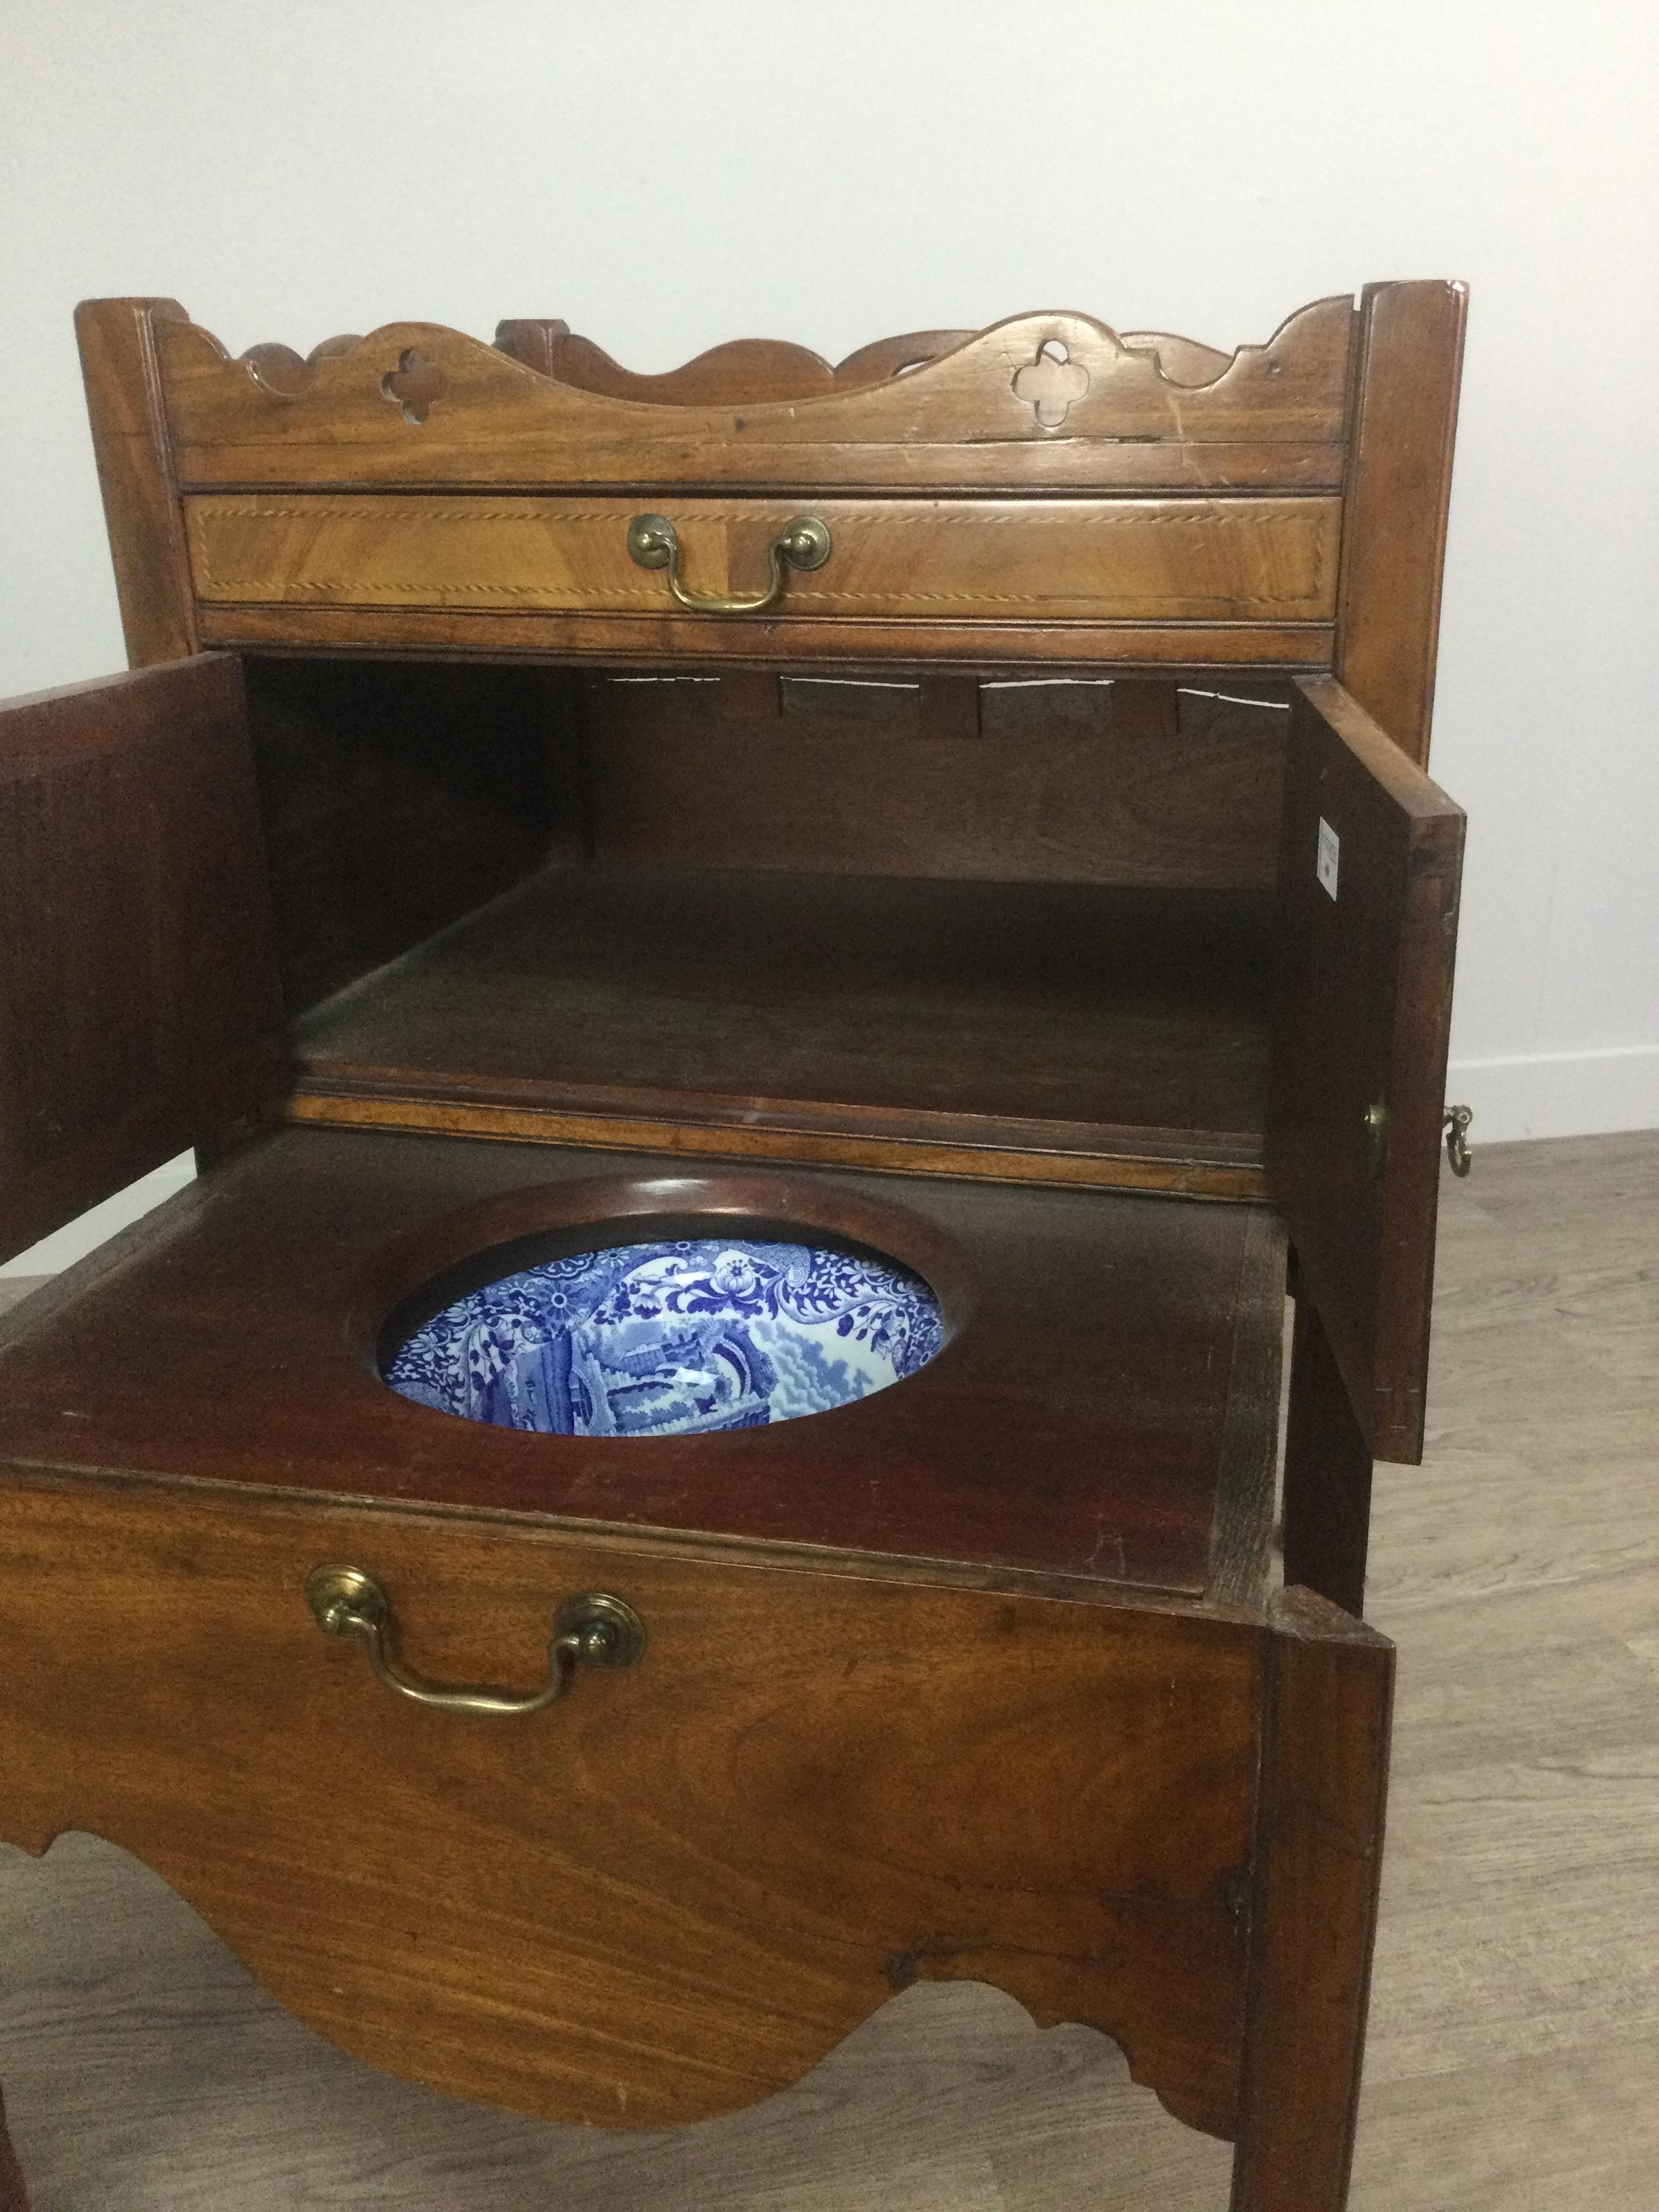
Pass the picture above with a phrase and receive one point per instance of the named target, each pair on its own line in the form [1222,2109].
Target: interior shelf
[1036,1027]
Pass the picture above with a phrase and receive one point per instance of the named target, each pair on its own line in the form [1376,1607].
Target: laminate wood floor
[1514,2053]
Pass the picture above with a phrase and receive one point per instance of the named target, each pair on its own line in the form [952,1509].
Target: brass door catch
[653,543]
[1376,1138]
[592,1629]
[1457,1122]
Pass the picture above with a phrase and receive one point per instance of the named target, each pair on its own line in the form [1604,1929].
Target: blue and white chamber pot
[672,1338]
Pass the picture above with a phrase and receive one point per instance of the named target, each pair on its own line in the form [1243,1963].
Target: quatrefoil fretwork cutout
[413,385]
[1051,384]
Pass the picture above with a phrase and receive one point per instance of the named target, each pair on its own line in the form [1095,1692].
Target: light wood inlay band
[1133,560]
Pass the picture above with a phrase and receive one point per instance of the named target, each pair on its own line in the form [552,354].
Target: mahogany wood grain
[133,447]
[1059,1017]
[1327,1473]
[536,340]
[749,697]
[743,372]
[1106,783]
[831,644]
[1092,561]
[1154,714]
[896,356]
[1185,360]
[674,1891]
[949,707]
[1182,1162]
[973,1677]
[1411,356]
[279,368]
[1361,1016]
[137,983]
[1274,418]
[397,797]
[1077,1436]
[1313,1914]
[1240,1534]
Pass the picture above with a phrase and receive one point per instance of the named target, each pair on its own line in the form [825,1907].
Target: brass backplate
[611,1633]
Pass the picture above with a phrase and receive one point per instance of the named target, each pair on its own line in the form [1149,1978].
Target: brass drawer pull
[652,543]
[592,1629]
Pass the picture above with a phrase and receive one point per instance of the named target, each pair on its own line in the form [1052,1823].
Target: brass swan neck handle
[653,543]
[592,1629]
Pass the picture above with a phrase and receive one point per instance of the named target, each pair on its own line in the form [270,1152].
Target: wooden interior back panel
[1042,781]
[138,1000]
[1053,401]
[397,796]
[1361,1017]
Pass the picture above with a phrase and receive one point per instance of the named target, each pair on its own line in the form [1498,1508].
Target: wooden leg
[1327,1473]
[1313,1912]
[14,2196]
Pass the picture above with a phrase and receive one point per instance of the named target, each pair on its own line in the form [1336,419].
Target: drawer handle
[652,543]
[592,1629]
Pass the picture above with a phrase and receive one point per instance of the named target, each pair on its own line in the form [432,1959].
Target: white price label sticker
[1330,847]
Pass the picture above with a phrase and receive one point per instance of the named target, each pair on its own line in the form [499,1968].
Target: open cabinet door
[138,1001]
[1370,868]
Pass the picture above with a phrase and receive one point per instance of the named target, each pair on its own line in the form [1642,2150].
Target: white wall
[668,175]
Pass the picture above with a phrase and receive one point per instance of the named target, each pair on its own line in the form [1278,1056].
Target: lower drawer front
[1268,560]
[676,1888]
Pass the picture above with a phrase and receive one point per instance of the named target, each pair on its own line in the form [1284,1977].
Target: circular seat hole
[680,1335]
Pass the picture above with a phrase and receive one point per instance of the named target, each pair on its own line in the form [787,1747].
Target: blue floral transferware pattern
[671,1339]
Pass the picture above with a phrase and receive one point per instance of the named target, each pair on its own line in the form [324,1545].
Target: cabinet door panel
[1369,874]
[138,1001]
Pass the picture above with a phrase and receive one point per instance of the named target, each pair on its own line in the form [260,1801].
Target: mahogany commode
[966,805]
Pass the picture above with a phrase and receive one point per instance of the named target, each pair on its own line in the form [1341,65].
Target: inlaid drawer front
[1269,560]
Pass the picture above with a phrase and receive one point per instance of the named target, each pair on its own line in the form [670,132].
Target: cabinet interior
[1030,917]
